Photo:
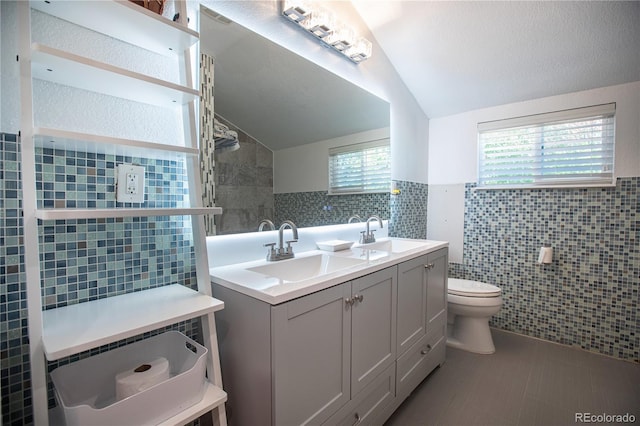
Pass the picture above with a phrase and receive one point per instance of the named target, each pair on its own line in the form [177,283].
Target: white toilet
[470,305]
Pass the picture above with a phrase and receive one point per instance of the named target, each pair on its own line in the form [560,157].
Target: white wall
[453,139]
[9,70]
[453,151]
[305,168]
[409,125]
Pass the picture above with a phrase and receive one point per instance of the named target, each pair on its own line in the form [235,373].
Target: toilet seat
[470,288]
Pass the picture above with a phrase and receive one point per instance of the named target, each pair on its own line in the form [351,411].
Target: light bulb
[296,10]
[360,50]
[320,23]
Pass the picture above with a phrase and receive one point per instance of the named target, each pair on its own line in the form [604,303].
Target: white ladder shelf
[62,332]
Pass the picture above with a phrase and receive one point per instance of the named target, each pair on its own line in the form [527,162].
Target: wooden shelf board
[58,66]
[124,21]
[83,326]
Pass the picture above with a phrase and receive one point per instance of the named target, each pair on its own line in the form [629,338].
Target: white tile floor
[526,382]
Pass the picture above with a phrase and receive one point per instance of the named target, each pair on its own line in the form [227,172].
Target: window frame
[352,148]
[548,119]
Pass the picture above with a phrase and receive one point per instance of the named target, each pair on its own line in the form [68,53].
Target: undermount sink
[302,268]
[394,246]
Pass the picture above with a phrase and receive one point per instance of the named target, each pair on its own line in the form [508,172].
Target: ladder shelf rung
[99,144]
[58,66]
[66,214]
[76,328]
[124,21]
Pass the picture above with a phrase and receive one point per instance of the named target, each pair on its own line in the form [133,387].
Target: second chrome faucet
[282,252]
[367,235]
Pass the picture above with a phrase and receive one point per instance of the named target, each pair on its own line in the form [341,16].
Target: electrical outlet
[130,183]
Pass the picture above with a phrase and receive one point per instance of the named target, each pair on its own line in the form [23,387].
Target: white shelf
[84,142]
[58,66]
[125,21]
[64,214]
[83,326]
[213,397]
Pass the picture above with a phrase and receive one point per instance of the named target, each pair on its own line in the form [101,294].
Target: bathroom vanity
[331,337]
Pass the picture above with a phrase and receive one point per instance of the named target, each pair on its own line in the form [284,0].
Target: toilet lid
[471,288]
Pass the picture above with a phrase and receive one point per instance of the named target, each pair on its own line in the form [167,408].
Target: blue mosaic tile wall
[409,210]
[589,297]
[84,259]
[317,208]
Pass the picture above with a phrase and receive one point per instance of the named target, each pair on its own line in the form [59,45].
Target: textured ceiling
[459,56]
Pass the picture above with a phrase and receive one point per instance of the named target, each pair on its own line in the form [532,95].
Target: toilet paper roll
[141,377]
[546,255]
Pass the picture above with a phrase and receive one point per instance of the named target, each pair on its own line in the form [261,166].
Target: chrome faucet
[354,217]
[268,223]
[283,253]
[367,236]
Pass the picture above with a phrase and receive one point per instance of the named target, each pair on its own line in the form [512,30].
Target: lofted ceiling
[456,56]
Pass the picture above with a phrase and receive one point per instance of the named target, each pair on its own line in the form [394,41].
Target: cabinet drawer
[368,406]
[421,358]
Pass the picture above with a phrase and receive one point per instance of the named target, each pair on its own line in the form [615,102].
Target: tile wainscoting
[317,208]
[589,296]
[407,212]
[83,259]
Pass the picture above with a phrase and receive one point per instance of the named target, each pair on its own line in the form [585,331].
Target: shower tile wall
[590,296]
[83,259]
[317,208]
[409,210]
[244,185]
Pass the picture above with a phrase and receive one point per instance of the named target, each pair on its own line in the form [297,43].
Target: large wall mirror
[274,100]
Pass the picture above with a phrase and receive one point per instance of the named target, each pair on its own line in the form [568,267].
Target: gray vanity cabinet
[302,361]
[412,298]
[348,354]
[422,318]
[311,356]
[373,326]
[330,345]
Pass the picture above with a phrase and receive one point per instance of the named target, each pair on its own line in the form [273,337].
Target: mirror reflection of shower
[275,100]
[225,139]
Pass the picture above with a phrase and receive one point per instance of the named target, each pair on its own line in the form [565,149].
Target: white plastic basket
[86,389]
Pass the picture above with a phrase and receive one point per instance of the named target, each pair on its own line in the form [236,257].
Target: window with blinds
[564,148]
[360,168]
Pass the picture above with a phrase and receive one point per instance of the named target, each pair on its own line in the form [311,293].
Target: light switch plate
[130,184]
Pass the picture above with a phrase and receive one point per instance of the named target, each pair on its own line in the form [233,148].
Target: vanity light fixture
[321,23]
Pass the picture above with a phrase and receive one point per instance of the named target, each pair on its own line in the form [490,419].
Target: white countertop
[273,290]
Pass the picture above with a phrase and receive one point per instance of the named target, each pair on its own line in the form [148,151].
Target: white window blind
[360,168]
[564,148]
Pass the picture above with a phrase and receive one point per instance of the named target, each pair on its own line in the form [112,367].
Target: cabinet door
[412,302]
[436,287]
[373,326]
[310,347]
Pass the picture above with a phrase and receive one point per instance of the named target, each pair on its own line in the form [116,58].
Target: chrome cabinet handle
[426,351]
[357,419]
[359,297]
[349,302]
[429,266]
